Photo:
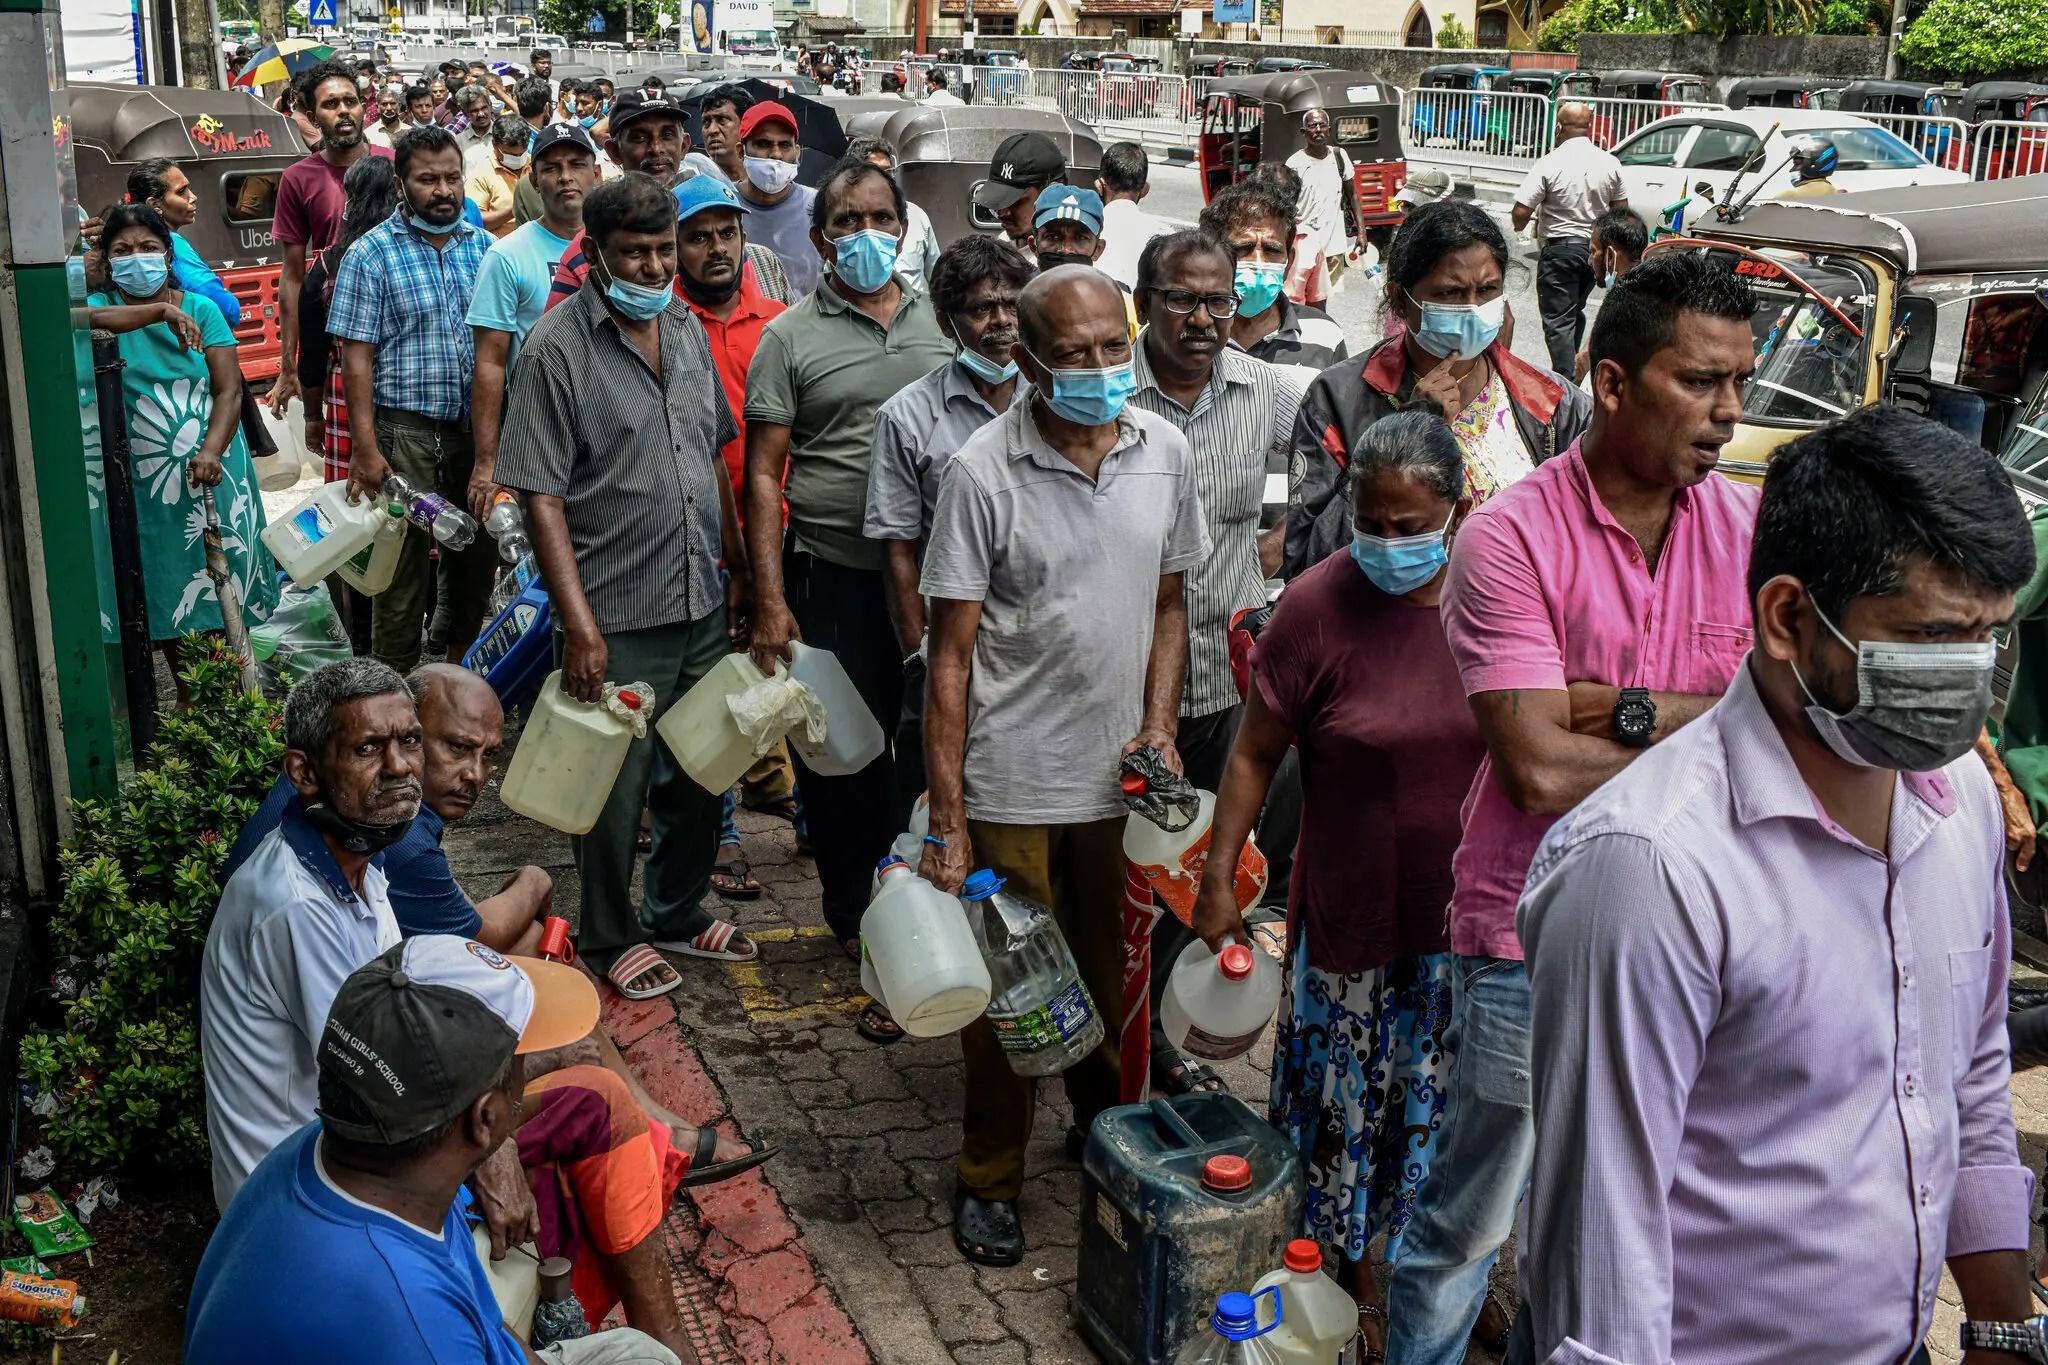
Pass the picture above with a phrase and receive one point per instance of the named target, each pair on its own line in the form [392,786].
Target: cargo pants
[438,456]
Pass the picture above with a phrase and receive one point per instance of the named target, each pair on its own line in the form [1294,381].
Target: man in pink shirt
[1593,608]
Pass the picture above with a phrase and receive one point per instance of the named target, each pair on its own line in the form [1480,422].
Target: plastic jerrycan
[324,532]
[568,759]
[930,972]
[853,738]
[700,731]
[1316,1322]
[1181,1200]
[372,568]
[1216,1005]
[1172,860]
[1235,1333]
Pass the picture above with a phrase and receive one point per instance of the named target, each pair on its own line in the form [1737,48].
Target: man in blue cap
[1066,229]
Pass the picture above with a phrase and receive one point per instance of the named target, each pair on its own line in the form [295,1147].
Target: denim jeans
[1466,1206]
[728,827]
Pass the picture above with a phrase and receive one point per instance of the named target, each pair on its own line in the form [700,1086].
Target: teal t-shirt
[512,286]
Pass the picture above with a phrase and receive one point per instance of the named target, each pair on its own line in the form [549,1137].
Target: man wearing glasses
[1237,413]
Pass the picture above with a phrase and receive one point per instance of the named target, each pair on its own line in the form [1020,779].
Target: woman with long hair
[161,184]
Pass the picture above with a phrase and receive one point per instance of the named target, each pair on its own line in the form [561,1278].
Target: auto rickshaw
[1554,86]
[1266,66]
[1002,77]
[1903,107]
[234,148]
[1999,152]
[1218,67]
[1250,119]
[1651,95]
[1781,92]
[1128,87]
[942,155]
[1456,120]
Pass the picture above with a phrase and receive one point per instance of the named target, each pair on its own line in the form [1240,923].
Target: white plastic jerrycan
[570,755]
[1172,860]
[1318,1322]
[852,738]
[701,731]
[929,967]
[373,568]
[323,533]
[1215,1006]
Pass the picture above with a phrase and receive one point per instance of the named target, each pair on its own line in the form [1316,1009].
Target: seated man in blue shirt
[462,731]
[350,1242]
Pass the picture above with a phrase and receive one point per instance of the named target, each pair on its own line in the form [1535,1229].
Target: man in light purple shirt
[1767,962]
[1593,608]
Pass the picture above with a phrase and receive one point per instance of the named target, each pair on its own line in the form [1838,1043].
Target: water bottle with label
[1039,1006]
[507,525]
[432,513]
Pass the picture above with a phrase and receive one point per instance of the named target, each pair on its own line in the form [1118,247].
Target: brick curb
[776,1306]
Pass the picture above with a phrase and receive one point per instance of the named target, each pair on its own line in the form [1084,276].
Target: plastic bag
[775,707]
[631,704]
[304,632]
[1157,792]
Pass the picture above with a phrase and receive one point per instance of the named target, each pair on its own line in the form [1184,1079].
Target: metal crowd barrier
[1491,123]
[1617,120]
[1943,141]
[2003,148]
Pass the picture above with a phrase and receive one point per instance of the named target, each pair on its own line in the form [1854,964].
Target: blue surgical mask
[1399,566]
[1463,330]
[1607,280]
[640,302]
[141,275]
[588,122]
[431,229]
[864,260]
[1258,284]
[1091,398]
[984,369]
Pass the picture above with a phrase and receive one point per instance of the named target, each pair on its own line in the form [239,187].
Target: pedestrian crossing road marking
[764,1006]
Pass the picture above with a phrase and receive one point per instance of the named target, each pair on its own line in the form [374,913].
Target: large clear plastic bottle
[432,513]
[1038,1003]
[506,523]
[1232,1335]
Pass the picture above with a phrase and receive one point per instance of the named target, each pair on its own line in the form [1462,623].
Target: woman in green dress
[182,386]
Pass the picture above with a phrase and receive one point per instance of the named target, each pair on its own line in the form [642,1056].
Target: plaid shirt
[401,294]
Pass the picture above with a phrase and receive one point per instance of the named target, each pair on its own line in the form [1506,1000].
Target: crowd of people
[1642,871]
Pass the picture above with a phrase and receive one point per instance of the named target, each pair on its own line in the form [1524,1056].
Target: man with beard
[309,204]
[390,123]
[720,117]
[473,129]
[781,208]
[407,368]
[1237,414]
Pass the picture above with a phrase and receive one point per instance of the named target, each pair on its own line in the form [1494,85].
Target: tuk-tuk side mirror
[1915,352]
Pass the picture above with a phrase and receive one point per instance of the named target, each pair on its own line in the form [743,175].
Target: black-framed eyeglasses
[1181,302]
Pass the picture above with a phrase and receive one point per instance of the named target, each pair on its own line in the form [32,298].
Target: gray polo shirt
[1067,572]
[633,455]
[822,369]
[1241,426]
[916,434]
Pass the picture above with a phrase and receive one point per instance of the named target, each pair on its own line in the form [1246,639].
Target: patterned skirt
[1359,1083]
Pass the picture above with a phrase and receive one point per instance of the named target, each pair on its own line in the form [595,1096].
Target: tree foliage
[1451,33]
[1979,38]
[1727,18]
[1560,32]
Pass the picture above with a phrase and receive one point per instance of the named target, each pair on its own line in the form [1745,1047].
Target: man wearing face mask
[1066,229]
[1551,583]
[491,173]
[407,366]
[820,372]
[1023,166]
[779,208]
[1768,962]
[1058,643]
[1563,194]
[389,124]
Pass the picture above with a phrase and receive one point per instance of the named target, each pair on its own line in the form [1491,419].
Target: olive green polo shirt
[822,369]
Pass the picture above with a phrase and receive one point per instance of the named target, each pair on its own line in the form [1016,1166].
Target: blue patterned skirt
[1359,1083]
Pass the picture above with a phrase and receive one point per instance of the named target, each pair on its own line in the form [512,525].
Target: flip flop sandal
[1271,938]
[738,873]
[782,808]
[714,943]
[1186,1075]
[1371,1312]
[704,1171]
[635,963]
[875,1025]
[986,1231]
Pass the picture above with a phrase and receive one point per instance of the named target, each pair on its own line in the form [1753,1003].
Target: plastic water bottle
[1232,1336]
[1216,1006]
[432,513]
[507,525]
[1038,1003]
[1314,1322]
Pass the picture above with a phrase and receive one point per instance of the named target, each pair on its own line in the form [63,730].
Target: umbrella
[283,61]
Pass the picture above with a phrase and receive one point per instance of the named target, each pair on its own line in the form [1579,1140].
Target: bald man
[1565,193]
[1053,571]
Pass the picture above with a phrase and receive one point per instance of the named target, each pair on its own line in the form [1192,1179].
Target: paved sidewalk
[843,1253]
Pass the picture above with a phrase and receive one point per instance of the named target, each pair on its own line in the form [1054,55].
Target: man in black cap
[1023,165]
[422,1074]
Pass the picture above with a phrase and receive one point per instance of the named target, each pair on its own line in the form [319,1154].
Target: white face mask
[769,175]
[513,163]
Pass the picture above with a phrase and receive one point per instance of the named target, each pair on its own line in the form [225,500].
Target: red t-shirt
[310,201]
[1366,684]
[733,342]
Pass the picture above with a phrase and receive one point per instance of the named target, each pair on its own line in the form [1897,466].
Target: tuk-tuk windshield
[1809,356]
[2026,445]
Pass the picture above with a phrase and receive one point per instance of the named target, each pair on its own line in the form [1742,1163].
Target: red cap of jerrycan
[1235,962]
[631,699]
[1226,1174]
[1302,1256]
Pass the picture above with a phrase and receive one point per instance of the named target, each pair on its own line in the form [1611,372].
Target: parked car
[1665,161]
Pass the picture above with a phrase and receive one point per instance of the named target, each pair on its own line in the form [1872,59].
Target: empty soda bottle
[431,512]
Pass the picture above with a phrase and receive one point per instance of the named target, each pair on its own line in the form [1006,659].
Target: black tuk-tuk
[1899,105]
[1218,67]
[1459,121]
[1658,94]
[1249,119]
[1781,92]
[1552,83]
[2000,153]
[1267,66]
[234,148]
[942,155]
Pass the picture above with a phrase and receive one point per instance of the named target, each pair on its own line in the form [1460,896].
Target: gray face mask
[1918,707]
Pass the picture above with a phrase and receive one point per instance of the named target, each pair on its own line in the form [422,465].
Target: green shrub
[116,1079]
[1560,32]
[1978,38]
[1851,18]
[1451,33]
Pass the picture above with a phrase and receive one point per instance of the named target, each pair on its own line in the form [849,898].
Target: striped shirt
[408,298]
[632,453]
[1239,426]
[1306,336]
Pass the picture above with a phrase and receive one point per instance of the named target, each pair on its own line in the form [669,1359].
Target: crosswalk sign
[320,13]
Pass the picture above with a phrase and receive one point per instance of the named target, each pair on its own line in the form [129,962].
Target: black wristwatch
[2028,1340]
[1635,717]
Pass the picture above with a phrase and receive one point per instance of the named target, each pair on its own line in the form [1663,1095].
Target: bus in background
[746,31]
[509,30]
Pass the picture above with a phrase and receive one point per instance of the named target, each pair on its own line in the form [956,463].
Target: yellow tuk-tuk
[1251,119]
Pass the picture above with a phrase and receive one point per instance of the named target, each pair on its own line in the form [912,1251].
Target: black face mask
[357,836]
[1048,260]
[712,295]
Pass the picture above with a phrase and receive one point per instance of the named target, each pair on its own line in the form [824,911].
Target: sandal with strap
[715,943]
[733,878]
[636,963]
[704,1171]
